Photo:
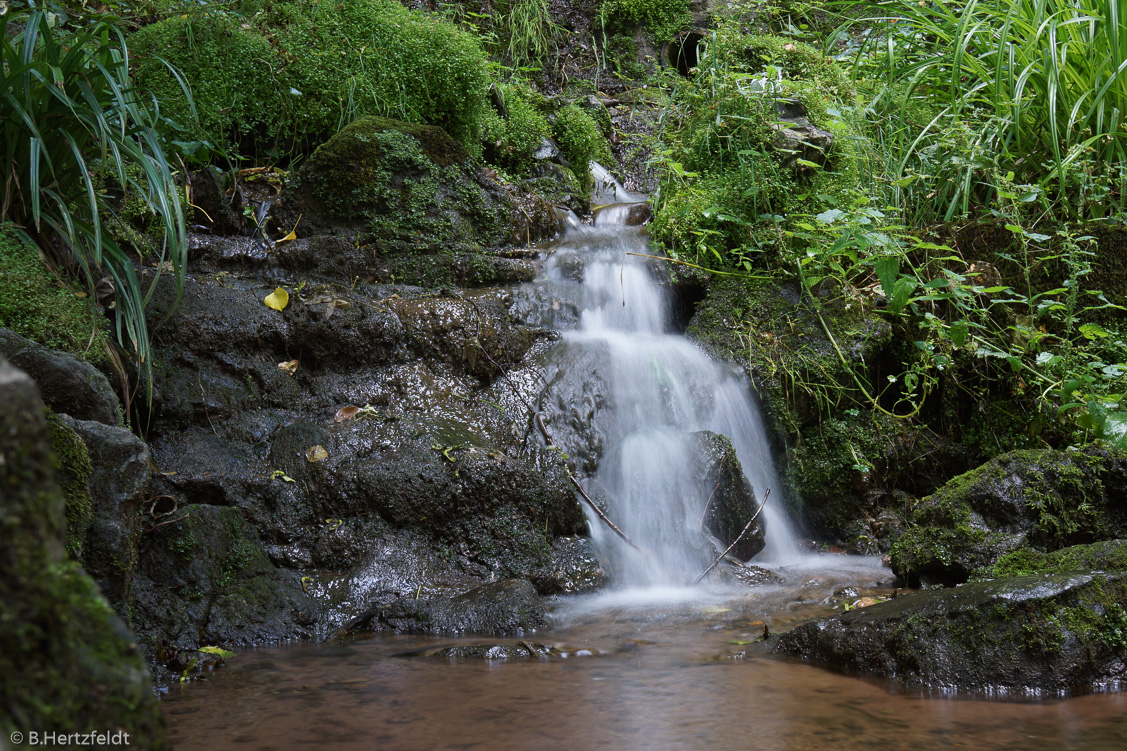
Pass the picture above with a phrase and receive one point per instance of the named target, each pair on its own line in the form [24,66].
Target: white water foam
[660,388]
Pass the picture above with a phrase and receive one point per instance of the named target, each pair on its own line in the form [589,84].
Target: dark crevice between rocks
[687,294]
[682,53]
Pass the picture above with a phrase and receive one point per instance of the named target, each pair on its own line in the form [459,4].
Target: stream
[651,662]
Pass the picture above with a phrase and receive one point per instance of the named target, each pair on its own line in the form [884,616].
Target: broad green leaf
[829,216]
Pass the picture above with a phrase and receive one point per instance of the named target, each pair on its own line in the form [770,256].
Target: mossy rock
[69,664]
[1038,498]
[1108,555]
[75,472]
[287,76]
[406,187]
[1048,633]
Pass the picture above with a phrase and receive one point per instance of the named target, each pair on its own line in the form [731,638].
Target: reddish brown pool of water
[669,676]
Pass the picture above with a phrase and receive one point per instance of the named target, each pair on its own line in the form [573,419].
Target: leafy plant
[68,114]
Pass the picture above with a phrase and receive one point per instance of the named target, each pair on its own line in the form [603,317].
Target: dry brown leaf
[317,453]
[290,366]
[346,413]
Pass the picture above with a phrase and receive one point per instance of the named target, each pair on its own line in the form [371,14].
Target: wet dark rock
[67,384]
[1052,633]
[69,663]
[119,486]
[211,205]
[574,568]
[639,214]
[570,404]
[1041,499]
[504,607]
[797,138]
[549,152]
[205,579]
[731,498]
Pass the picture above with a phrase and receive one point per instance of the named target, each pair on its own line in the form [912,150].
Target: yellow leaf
[316,453]
[278,299]
[290,367]
[291,236]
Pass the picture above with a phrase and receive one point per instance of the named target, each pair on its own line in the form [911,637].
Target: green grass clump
[293,73]
[1041,84]
[36,306]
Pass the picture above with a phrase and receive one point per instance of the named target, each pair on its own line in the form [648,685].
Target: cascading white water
[658,388]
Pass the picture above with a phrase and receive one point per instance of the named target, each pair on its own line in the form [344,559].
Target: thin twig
[603,516]
[708,505]
[737,540]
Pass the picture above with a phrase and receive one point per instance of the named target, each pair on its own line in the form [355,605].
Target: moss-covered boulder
[119,487]
[35,305]
[1050,633]
[289,75]
[423,212]
[1039,498]
[67,383]
[69,663]
[1107,555]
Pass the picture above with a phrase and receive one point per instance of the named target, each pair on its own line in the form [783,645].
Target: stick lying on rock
[737,540]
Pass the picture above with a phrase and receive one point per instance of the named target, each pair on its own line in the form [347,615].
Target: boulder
[69,664]
[205,579]
[119,487]
[1049,633]
[66,383]
[1039,498]
[731,500]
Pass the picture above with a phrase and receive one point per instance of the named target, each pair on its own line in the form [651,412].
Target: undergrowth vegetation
[1003,122]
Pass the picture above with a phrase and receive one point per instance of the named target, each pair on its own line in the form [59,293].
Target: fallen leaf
[217,651]
[346,413]
[278,299]
[280,474]
[865,602]
[316,453]
[291,236]
[290,366]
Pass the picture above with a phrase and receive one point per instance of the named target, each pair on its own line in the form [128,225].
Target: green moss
[521,132]
[663,18]
[581,142]
[36,306]
[294,72]
[227,65]
[75,471]
[1108,555]
[407,184]
[68,663]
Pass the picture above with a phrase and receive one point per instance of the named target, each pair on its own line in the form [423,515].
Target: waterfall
[625,396]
